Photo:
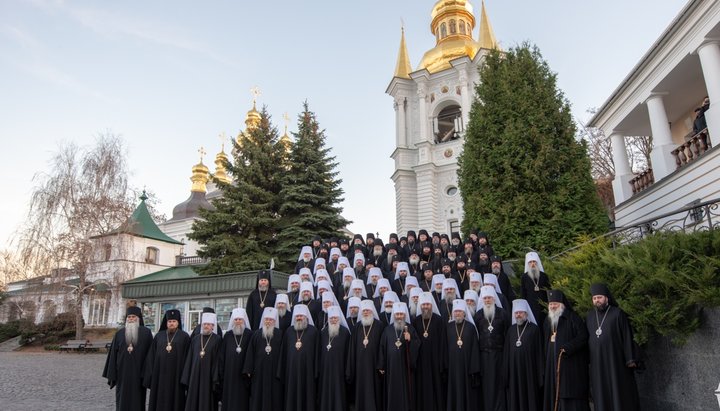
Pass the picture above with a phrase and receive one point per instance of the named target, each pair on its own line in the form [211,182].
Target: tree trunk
[78,309]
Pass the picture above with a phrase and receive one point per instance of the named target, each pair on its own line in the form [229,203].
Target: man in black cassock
[461,359]
[496,267]
[523,360]
[262,296]
[165,362]
[430,386]
[218,330]
[261,363]
[492,324]
[397,358]
[282,304]
[235,384]
[298,366]
[126,359]
[362,360]
[450,293]
[613,354]
[293,289]
[334,350]
[565,335]
[305,259]
[200,375]
[534,285]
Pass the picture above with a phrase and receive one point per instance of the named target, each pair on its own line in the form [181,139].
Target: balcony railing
[189,260]
[642,181]
[692,149]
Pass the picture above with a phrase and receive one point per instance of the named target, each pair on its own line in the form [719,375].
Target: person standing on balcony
[700,123]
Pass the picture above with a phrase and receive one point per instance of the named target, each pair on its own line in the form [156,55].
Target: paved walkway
[53,381]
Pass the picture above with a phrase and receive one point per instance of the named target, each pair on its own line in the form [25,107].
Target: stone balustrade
[642,181]
[692,149]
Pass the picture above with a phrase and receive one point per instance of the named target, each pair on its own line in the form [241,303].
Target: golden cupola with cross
[452,24]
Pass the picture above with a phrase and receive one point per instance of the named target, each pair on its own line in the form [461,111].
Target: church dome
[189,208]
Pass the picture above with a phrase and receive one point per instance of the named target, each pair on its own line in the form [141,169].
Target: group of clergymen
[399,329]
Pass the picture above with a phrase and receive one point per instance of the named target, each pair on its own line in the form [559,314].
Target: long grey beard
[388,309]
[450,298]
[496,270]
[367,321]
[534,273]
[282,312]
[399,325]
[301,325]
[412,306]
[389,258]
[555,316]
[262,288]
[472,309]
[238,329]
[476,288]
[333,330]
[305,298]
[489,312]
[459,320]
[347,284]
[131,333]
[426,315]
[520,321]
[267,332]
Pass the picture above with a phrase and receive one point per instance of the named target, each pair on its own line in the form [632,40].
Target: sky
[170,77]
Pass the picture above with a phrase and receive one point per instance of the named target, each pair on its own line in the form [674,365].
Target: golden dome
[220,171]
[200,177]
[452,25]
[252,119]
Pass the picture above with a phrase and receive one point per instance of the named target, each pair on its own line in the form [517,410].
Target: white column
[709,54]
[422,114]
[400,117]
[623,173]
[662,160]
[464,97]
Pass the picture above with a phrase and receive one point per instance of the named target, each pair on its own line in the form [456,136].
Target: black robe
[612,382]
[256,304]
[361,369]
[399,286]
[332,376]
[302,264]
[352,321]
[523,367]
[463,366]
[445,310]
[285,320]
[297,368]
[235,385]
[431,386]
[491,357]
[399,366]
[385,318]
[163,370]
[200,375]
[266,391]
[535,298]
[571,336]
[126,370]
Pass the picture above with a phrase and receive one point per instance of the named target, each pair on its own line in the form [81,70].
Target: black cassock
[256,303]
[535,298]
[462,362]
[163,370]
[235,384]
[361,369]
[261,362]
[445,310]
[571,336]
[297,368]
[285,321]
[125,370]
[430,386]
[398,358]
[200,375]
[331,373]
[523,367]
[612,382]
[492,343]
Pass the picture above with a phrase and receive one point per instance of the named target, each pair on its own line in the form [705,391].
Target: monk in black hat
[125,360]
[262,296]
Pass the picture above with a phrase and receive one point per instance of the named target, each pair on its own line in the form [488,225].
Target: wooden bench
[73,345]
[97,345]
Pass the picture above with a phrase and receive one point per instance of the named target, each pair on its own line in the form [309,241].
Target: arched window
[443,31]
[453,27]
[461,24]
[151,255]
[448,124]
[469,29]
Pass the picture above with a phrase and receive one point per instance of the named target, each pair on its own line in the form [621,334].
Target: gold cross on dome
[202,153]
[255,91]
[223,139]
[286,117]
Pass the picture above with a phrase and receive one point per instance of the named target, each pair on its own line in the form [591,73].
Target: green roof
[172,273]
[141,224]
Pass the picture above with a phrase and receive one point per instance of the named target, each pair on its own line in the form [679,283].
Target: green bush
[9,330]
[662,282]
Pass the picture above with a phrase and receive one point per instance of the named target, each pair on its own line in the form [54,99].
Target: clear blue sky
[170,76]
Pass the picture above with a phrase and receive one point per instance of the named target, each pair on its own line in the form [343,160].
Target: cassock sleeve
[630,350]
[149,360]
[249,363]
[110,369]
[185,379]
[350,365]
[381,355]
[581,336]
[281,361]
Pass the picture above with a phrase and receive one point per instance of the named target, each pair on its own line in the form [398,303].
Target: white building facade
[432,106]
[659,98]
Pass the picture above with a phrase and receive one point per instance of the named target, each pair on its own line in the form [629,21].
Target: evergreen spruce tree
[241,233]
[524,177]
[311,191]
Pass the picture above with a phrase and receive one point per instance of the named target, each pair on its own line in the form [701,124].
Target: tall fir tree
[524,177]
[311,191]
[240,234]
